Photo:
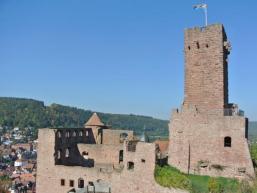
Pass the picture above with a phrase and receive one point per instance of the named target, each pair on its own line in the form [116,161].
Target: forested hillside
[17,112]
[252,131]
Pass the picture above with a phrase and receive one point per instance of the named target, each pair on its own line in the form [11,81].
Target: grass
[171,177]
[168,176]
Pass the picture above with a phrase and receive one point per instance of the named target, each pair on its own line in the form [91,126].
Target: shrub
[214,186]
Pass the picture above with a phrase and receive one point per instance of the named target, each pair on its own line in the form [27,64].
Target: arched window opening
[189,47]
[85,154]
[227,142]
[59,154]
[80,183]
[87,133]
[67,134]
[81,133]
[207,45]
[67,152]
[59,134]
[74,134]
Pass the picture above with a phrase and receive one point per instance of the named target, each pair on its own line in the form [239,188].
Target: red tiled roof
[94,121]
[163,145]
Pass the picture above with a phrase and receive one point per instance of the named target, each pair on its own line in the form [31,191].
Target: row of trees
[16,112]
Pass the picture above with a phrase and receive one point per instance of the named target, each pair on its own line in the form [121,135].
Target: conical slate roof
[94,121]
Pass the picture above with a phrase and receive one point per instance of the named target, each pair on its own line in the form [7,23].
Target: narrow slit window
[197,45]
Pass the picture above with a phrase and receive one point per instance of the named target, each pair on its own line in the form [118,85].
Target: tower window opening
[189,47]
[207,45]
[62,182]
[227,142]
[198,45]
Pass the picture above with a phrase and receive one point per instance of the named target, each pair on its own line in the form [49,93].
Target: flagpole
[206,16]
[203,6]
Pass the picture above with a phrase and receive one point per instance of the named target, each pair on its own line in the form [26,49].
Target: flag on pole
[203,6]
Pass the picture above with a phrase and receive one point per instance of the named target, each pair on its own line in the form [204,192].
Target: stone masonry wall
[200,133]
[206,67]
[100,153]
[138,180]
[111,137]
[197,144]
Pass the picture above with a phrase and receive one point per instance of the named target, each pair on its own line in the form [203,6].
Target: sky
[118,56]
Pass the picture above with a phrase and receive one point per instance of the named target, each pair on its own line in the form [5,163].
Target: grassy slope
[168,176]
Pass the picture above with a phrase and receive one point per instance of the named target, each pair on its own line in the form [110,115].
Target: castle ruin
[96,159]
[208,135]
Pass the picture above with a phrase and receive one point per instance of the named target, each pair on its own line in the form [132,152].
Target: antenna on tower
[204,7]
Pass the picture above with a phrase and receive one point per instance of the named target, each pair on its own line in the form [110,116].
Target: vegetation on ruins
[253,151]
[169,176]
[17,112]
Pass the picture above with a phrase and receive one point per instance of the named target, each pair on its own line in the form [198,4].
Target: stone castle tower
[206,74]
[208,135]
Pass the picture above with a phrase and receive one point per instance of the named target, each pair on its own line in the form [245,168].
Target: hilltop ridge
[22,112]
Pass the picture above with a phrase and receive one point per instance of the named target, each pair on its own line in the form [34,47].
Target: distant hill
[19,112]
[252,130]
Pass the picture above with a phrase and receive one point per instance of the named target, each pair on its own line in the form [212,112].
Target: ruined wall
[66,140]
[140,179]
[101,153]
[112,137]
[121,180]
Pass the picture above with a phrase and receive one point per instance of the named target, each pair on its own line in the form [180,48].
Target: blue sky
[118,56]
